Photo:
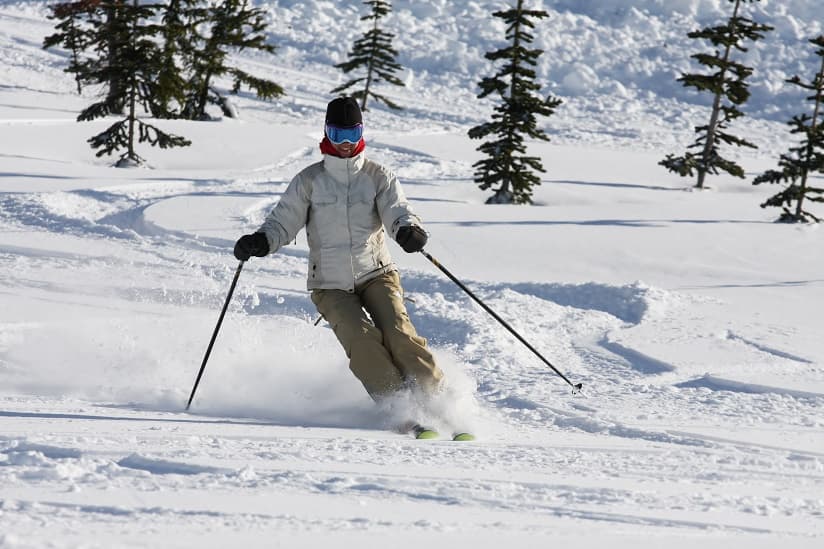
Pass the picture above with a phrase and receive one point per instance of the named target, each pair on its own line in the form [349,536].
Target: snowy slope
[690,317]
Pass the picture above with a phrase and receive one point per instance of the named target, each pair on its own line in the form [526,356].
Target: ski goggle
[338,135]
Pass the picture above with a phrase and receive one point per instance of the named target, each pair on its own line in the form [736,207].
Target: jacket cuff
[272,244]
[402,221]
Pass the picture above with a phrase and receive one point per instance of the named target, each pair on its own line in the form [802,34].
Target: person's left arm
[393,207]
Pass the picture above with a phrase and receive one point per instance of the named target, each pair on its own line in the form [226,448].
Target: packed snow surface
[691,318]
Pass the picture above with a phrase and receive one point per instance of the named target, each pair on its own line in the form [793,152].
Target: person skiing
[349,204]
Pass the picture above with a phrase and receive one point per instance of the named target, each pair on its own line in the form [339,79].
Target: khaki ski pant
[386,354]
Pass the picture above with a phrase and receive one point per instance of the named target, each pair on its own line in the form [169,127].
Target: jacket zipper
[349,163]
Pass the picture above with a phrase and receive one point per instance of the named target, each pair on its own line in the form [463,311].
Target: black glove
[411,238]
[251,244]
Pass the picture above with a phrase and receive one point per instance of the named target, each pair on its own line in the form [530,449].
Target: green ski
[424,433]
[421,432]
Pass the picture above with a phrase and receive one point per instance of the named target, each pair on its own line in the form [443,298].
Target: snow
[692,320]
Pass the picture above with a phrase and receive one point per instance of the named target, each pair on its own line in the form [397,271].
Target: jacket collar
[342,168]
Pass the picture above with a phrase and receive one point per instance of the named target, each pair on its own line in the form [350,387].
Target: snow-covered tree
[507,165]
[727,84]
[374,55]
[231,26]
[807,158]
[139,60]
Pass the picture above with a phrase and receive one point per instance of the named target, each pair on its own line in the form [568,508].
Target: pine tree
[374,53]
[131,34]
[73,34]
[805,159]
[88,28]
[507,165]
[726,82]
[84,29]
[178,35]
[232,26]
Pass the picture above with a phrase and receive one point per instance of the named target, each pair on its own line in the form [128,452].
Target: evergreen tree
[727,81]
[506,164]
[73,34]
[107,43]
[178,35]
[90,27]
[372,52]
[805,159]
[232,26]
[138,64]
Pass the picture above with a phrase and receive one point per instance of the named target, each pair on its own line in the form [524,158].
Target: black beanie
[343,112]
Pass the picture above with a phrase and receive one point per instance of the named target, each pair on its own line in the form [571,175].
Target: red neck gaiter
[326,147]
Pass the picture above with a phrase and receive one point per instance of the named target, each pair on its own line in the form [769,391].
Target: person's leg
[383,299]
[369,360]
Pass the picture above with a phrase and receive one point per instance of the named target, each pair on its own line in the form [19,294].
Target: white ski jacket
[347,206]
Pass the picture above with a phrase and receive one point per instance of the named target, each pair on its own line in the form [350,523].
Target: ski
[424,433]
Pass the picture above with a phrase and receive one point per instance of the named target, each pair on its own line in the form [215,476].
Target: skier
[348,205]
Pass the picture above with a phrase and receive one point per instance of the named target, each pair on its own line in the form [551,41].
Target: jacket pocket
[327,221]
[320,200]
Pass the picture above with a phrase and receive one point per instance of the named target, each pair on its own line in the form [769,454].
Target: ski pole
[214,335]
[575,386]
